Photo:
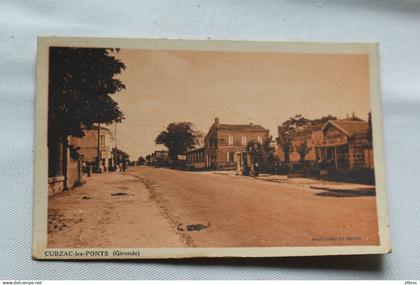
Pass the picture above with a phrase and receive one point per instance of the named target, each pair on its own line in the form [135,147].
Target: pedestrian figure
[124,164]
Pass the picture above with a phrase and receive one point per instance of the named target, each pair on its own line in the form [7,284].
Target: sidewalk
[111,210]
[309,183]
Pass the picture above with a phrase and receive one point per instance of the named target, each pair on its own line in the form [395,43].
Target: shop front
[334,153]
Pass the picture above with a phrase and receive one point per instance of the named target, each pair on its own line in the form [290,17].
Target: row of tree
[291,126]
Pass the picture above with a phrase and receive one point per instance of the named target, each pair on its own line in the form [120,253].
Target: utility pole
[98,151]
[115,135]
[116,158]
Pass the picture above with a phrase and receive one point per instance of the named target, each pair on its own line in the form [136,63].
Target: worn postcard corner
[180,149]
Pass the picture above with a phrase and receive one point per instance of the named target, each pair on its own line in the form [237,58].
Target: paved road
[158,207]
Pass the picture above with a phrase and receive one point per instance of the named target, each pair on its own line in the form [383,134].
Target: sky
[237,87]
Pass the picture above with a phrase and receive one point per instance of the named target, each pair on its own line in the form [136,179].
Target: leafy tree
[261,153]
[268,152]
[255,150]
[303,149]
[141,160]
[297,122]
[81,81]
[323,120]
[285,142]
[293,124]
[178,138]
[148,159]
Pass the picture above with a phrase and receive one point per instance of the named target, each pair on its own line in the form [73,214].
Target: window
[243,140]
[230,140]
[102,140]
[232,156]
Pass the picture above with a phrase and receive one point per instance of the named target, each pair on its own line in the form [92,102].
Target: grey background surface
[394,24]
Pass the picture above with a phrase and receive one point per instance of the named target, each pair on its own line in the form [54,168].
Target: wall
[357,147]
[196,159]
[89,144]
[223,145]
[311,139]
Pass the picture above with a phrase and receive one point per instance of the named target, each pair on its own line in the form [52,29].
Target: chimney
[216,121]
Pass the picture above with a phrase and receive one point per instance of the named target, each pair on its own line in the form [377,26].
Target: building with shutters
[224,141]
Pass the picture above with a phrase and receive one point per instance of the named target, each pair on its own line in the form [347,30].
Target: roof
[349,126]
[249,127]
[308,130]
[194,150]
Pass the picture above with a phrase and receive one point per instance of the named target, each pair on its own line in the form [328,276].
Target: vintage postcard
[183,148]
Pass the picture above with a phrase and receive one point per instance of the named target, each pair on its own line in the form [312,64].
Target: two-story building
[88,147]
[224,141]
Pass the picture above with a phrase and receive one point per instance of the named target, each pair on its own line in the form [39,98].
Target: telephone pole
[116,157]
[98,150]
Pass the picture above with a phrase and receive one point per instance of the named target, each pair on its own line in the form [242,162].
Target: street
[160,207]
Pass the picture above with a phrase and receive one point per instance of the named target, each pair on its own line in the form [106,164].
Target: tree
[285,142]
[298,122]
[178,138]
[148,159]
[81,81]
[255,150]
[286,129]
[79,87]
[323,120]
[303,149]
[292,125]
[268,152]
[141,160]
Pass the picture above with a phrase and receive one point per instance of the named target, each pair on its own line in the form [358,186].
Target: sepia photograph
[175,148]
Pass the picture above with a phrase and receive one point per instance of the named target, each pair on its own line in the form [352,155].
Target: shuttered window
[244,140]
[230,140]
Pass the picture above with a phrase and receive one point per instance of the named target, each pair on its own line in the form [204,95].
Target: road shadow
[347,193]
[367,263]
